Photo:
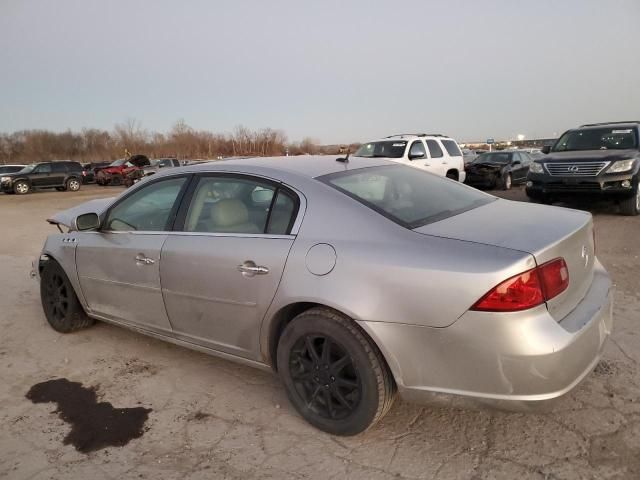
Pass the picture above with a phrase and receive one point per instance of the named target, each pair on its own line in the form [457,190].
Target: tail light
[84,173]
[527,290]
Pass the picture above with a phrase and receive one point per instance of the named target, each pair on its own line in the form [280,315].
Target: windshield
[498,157]
[29,168]
[597,139]
[118,162]
[408,196]
[385,148]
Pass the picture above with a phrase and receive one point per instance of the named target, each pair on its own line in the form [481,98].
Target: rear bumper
[522,356]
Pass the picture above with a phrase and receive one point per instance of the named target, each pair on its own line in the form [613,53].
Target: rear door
[220,274]
[119,266]
[58,174]
[437,157]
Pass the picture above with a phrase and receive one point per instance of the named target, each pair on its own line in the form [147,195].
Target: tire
[343,390]
[631,206]
[116,180]
[21,187]
[55,292]
[73,185]
[453,175]
[507,182]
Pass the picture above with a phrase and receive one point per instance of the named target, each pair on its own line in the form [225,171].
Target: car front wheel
[21,187]
[335,377]
[59,301]
[631,206]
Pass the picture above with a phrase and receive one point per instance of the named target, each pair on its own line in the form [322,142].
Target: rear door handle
[249,269]
[141,259]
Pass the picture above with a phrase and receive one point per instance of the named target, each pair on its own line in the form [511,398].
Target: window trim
[172,214]
[441,147]
[294,225]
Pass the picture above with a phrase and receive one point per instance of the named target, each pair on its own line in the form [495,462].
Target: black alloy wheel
[325,376]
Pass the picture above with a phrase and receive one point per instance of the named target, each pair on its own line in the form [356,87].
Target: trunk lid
[545,232]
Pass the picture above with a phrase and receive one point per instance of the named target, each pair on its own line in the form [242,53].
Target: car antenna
[344,159]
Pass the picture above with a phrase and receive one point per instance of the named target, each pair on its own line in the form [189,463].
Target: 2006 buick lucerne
[352,279]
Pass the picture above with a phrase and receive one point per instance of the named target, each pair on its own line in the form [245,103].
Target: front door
[41,176]
[119,266]
[220,275]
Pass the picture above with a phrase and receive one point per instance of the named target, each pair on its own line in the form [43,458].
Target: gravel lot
[213,419]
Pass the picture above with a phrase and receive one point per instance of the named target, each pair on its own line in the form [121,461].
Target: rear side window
[409,197]
[434,149]
[452,148]
[58,168]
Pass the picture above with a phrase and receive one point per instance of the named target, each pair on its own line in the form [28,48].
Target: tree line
[182,142]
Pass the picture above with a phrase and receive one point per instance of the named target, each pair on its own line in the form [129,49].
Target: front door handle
[141,259]
[249,269]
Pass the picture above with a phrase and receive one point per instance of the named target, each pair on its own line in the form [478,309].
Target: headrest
[229,212]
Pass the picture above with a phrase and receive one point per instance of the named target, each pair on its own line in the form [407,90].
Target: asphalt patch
[93,425]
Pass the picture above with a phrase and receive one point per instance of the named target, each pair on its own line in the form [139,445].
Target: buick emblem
[573,169]
[585,255]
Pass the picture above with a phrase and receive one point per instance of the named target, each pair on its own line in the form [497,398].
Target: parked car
[353,279]
[89,171]
[61,175]
[135,176]
[118,170]
[434,153]
[498,169]
[10,168]
[468,156]
[600,160]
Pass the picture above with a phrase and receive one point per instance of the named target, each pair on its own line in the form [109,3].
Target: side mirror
[413,156]
[546,149]
[87,221]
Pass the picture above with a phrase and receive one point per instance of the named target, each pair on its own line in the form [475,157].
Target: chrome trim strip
[210,299]
[585,169]
[122,284]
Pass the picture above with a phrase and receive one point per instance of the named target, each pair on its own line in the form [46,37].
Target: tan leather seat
[230,216]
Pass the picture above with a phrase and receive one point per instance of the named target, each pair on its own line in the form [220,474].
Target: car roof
[310,166]
[625,124]
[416,135]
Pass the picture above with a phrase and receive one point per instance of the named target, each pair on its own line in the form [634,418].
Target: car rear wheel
[631,206]
[59,301]
[73,185]
[21,187]
[116,180]
[335,377]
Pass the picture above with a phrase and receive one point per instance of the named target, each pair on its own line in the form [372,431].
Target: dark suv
[600,160]
[63,175]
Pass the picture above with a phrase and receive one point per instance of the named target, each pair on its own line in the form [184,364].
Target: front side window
[615,138]
[408,197]
[434,149]
[225,204]
[43,168]
[148,209]
[452,148]
[417,150]
[382,149]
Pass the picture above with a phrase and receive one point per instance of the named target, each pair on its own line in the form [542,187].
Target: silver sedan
[355,279]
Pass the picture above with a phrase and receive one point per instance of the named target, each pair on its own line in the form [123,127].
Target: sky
[335,71]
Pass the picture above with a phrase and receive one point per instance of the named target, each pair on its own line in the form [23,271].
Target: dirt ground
[211,418]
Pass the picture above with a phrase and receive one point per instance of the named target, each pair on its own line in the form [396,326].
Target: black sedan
[498,170]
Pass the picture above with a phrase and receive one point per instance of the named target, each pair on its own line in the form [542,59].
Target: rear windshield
[408,196]
[452,148]
[384,149]
[609,138]
[497,157]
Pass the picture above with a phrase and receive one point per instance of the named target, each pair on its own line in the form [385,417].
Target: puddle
[93,425]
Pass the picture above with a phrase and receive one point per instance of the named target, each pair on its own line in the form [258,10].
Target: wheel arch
[287,313]
[453,173]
